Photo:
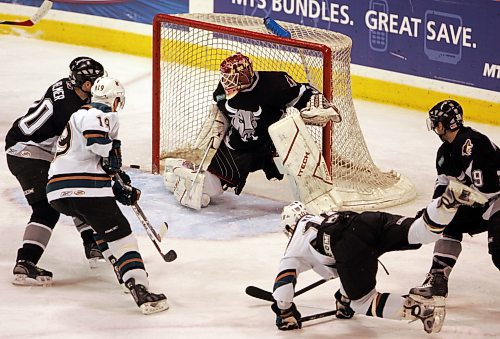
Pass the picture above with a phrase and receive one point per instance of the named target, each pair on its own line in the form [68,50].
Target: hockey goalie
[248,130]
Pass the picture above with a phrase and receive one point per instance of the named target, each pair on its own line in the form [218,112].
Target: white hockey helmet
[290,215]
[105,90]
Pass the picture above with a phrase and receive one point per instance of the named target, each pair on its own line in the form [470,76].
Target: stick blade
[170,256]
[259,293]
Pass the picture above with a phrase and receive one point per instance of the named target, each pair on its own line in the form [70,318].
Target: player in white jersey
[348,244]
[80,185]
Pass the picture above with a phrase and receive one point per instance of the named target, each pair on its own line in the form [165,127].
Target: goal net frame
[170,39]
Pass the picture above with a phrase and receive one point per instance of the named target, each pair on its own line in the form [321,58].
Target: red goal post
[187,52]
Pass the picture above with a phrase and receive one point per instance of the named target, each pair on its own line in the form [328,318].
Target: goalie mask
[291,215]
[105,90]
[236,74]
[447,112]
[85,69]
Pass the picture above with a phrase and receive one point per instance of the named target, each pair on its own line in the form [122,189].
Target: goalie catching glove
[319,111]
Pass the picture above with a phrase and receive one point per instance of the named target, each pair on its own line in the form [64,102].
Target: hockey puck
[135,166]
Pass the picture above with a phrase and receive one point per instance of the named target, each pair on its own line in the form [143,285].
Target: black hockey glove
[113,162]
[288,319]
[126,194]
[125,177]
[344,310]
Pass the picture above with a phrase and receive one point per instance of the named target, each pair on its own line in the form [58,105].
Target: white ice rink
[222,249]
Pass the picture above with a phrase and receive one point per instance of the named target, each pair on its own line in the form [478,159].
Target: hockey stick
[171,255]
[200,167]
[280,31]
[39,14]
[259,293]
[318,315]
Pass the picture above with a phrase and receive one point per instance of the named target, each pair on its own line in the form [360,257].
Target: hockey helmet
[291,215]
[105,90]
[448,112]
[236,74]
[85,69]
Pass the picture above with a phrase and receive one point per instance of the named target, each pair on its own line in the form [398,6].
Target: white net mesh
[190,53]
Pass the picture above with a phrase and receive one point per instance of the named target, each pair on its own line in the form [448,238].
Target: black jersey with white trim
[471,158]
[35,134]
[254,109]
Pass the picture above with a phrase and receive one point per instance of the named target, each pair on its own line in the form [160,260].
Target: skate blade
[435,300]
[439,315]
[24,280]
[96,262]
[154,307]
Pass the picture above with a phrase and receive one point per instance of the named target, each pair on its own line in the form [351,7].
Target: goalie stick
[200,167]
[259,293]
[171,255]
[39,14]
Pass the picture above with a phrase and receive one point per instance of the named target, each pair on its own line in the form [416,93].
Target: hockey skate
[457,194]
[430,311]
[435,285]
[28,274]
[94,255]
[148,302]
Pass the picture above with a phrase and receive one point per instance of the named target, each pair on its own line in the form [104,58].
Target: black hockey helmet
[84,69]
[448,112]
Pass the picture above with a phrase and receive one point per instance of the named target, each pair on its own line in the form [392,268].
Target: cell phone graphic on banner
[378,39]
[442,51]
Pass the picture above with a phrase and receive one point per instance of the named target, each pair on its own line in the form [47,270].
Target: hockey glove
[344,310]
[288,319]
[113,162]
[126,194]
[125,177]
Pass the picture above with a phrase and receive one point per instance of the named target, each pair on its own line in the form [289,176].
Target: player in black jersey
[246,103]
[473,159]
[30,146]
[251,102]
[347,245]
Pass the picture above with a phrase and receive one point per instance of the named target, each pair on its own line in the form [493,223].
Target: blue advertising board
[454,40]
[141,11]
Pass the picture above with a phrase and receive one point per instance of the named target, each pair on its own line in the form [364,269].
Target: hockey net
[187,52]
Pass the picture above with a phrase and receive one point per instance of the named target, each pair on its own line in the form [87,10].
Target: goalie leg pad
[169,176]
[179,180]
[304,164]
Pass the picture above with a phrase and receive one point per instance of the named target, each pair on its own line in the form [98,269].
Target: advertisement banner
[141,11]
[454,41]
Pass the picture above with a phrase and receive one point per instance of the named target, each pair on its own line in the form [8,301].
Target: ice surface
[222,249]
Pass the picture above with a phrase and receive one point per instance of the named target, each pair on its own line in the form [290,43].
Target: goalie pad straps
[319,111]
[179,176]
[213,130]
[304,164]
